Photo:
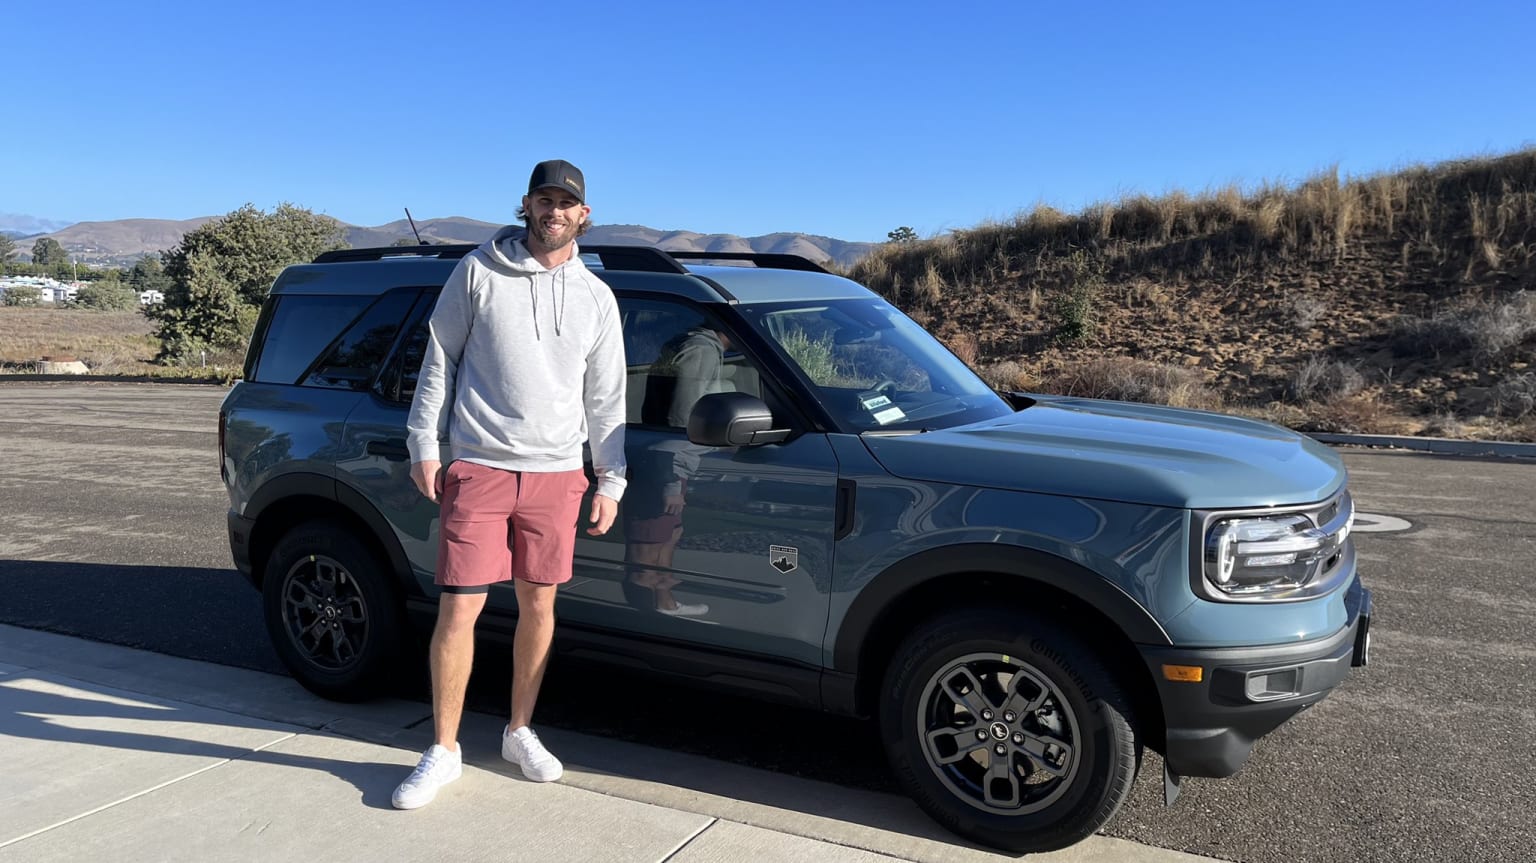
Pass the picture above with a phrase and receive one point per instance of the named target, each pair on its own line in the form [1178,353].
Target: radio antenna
[419,240]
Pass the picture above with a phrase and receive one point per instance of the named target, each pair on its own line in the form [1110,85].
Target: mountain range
[121,242]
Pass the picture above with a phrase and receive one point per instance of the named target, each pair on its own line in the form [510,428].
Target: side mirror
[732,419]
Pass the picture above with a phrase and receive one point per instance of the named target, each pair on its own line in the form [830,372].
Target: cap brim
[562,187]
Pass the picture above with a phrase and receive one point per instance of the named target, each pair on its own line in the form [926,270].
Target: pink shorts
[500,524]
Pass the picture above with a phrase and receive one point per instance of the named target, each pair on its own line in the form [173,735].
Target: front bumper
[1247,692]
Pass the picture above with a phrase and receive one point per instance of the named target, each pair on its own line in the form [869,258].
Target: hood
[1125,452]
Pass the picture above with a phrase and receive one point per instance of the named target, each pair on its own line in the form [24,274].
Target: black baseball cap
[560,173]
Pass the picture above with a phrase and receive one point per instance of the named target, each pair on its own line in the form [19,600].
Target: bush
[1074,307]
[1307,311]
[1324,380]
[1131,380]
[107,295]
[1488,331]
[1515,397]
[22,295]
[1008,376]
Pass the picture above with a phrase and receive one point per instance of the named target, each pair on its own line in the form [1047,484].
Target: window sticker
[879,406]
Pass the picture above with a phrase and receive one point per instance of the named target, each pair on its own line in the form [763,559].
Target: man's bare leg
[530,647]
[452,657]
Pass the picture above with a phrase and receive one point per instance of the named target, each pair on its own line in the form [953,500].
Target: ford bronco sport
[1022,591]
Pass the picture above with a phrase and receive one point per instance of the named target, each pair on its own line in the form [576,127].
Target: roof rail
[648,259]
[770,260]
[447,252]
[642,258]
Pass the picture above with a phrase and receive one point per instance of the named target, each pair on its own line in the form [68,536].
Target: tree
[48,253]
[22,295]
[148,274]
[107,294]
[903,234]
[220,273]
[7,249]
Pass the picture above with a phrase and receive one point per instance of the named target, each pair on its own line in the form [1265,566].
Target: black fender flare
[1030,564]
[305,484]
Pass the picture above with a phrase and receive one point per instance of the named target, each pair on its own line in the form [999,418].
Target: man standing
[524,363]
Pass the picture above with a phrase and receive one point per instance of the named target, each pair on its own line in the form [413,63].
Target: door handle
[847,490]
[394,450]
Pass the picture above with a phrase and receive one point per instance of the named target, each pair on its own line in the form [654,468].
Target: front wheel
[1008,730]
[331,612]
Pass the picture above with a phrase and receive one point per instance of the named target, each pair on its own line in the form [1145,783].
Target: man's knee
[536,600]
[457,611]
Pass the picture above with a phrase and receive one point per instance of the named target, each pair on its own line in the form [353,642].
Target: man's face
[554,215]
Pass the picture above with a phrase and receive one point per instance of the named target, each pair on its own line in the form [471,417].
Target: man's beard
[552,241]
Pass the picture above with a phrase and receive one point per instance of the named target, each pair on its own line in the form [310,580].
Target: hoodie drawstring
[533,294]
[559,309]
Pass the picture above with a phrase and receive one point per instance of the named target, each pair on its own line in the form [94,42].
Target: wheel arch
[292,499]
[916,589]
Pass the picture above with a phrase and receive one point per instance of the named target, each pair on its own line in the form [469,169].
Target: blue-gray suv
[1022,591]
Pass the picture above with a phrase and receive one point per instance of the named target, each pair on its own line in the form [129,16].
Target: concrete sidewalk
[119,754]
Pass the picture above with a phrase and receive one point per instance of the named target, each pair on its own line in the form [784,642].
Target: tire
[332,613]
[1069,746]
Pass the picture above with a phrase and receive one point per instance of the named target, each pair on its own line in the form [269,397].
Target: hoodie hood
[505,251]
[1125,452]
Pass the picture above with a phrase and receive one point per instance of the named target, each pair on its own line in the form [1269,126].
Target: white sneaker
[685,610]
[438,767]
[522,747]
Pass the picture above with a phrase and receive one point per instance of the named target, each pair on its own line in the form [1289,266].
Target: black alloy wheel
[332,614]
[1008,730]
[324,614]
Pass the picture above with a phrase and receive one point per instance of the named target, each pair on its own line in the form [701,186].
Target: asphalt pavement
[114,533]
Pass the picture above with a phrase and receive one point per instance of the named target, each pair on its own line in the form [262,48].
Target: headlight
[1254,555]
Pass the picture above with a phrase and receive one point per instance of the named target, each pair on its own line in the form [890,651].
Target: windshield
[872,367]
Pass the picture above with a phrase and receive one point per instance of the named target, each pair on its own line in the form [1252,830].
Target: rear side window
[299,329]
[354,359]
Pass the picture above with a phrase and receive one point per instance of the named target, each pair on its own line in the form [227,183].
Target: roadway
[112,529]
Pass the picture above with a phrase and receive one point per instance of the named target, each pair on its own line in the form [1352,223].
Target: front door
[727,547]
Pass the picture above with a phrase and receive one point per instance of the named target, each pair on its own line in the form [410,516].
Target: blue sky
[843,119]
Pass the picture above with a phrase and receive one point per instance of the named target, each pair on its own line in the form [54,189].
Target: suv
[1022,590]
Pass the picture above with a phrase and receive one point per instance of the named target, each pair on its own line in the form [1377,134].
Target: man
[524,363]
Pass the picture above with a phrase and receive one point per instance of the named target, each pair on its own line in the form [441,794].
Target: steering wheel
[886,386]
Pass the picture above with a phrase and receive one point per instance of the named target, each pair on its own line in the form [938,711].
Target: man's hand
[604,511]
[428,476]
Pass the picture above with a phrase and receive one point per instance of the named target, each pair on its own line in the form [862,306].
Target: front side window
[874,368]
[676,355]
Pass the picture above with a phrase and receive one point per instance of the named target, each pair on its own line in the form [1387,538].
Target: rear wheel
[1008,730]
[331,612]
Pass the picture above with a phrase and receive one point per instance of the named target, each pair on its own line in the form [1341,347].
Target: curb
[1440,445]
[106,379]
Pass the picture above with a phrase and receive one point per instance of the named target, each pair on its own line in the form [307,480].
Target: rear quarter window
[298,329]
[354,359]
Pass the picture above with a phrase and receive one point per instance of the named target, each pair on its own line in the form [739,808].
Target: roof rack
[447,252]
[642,258]
[769,260]
[647,259]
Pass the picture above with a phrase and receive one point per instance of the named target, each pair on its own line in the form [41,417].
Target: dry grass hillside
[1392,304]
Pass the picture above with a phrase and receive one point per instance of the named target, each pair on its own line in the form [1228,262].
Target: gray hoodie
[531,361]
